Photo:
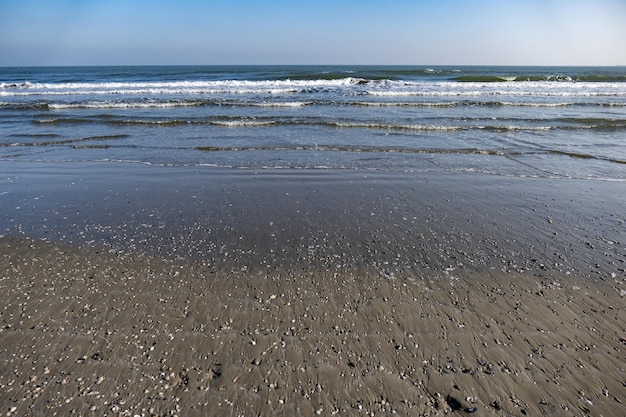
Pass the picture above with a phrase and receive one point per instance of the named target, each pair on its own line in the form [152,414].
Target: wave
[164,104]
[153,92]
[514,155]
[593,123]
[277,104]
[179,84]
[400,104]
[33,135]
[473,86]
[465,124]
[68,121]
[477,91]
[460,74]
[223,86]
[580,155]
[342,165]
[476,103]
[487,78]
[148,104]
[358,149]
[387,126]
[129,104]
[379,149]
[62,141]
[244,123]
[235,122]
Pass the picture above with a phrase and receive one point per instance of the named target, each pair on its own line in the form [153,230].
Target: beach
[159,291]
[312,240]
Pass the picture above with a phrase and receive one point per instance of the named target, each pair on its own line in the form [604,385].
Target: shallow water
[549,122]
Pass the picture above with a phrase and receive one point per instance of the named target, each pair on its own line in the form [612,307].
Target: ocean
[305,168]
[547,122]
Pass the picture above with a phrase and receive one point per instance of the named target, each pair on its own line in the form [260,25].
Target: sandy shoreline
[93,333]
[134,290]
[317,220]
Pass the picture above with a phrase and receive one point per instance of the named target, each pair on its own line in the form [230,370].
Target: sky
[402,32]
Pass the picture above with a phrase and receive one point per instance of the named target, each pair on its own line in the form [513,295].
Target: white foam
[348,85]
[398,127]
[284,104]
[406,104]
[184,85]
[242,123]
[122,105]
[528,104]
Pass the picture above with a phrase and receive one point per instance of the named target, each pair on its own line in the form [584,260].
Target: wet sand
[204,293]
[315,220]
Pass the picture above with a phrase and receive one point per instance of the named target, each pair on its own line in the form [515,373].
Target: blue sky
[139,32]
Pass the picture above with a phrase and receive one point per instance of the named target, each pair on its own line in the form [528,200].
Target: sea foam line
[355,85]
[126,104]
[182,85]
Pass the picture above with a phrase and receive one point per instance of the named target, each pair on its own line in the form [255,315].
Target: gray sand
[89,333]
[150,291]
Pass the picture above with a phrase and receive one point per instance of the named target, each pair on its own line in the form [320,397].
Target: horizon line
[311,65]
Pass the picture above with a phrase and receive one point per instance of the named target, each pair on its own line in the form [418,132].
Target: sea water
[544,122]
